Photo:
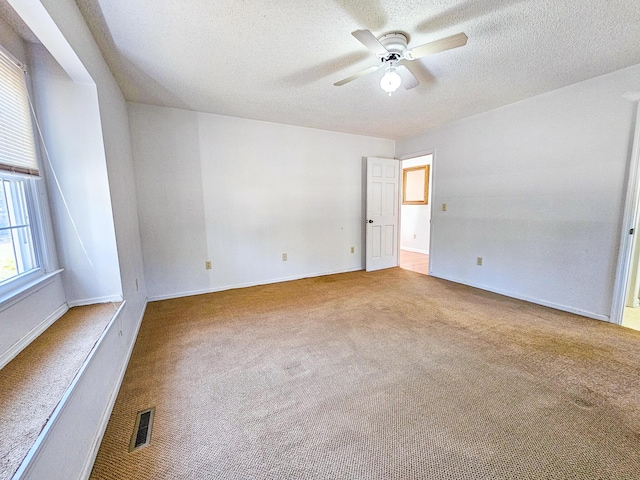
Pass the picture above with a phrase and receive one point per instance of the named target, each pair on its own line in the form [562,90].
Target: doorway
[631,311]
[415,213]
[626,301]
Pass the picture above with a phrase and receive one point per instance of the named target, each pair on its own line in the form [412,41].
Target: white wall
[23,320]
[415,220]
[537,189]
[72,441]
[77,181]
[241,193]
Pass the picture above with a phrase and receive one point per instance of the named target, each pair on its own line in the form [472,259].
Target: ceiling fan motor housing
[395,43]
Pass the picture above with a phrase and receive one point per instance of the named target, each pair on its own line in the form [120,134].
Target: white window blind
[17,145]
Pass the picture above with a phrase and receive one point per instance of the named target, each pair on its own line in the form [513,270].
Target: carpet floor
[32,384]
[384,375]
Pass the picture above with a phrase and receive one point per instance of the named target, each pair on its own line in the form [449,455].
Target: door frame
[409,156]
[629,224]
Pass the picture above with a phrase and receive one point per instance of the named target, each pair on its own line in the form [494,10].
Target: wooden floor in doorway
[416,262]
[631,318]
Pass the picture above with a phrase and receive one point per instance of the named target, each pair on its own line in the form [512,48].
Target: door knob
[370,221]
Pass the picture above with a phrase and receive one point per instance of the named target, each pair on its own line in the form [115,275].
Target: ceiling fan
[391,48]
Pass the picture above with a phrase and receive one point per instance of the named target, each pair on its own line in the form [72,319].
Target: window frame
[422,199]
[32,192]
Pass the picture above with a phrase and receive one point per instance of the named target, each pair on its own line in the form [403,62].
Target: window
[17,247]
[415,185]
[19,175]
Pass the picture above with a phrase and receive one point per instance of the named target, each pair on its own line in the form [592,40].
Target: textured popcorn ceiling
[12,19]
[276,61]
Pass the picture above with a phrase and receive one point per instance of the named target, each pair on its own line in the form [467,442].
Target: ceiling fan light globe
[390,81]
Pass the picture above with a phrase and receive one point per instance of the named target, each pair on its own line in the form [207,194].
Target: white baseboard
[544,303]
[21,344]
[94,300]
[415,250]
[88,464]
[155,298]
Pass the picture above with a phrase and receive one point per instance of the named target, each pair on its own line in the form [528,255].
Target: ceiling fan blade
[357,75]
[454,41]
[408,80]
[369,40]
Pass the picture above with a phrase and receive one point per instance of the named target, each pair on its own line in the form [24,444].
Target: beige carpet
[32,384]
[387,375]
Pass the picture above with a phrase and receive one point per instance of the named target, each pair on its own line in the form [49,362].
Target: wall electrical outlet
[444,207]
[353,249]
[479,261]
[207,264]
[284,257]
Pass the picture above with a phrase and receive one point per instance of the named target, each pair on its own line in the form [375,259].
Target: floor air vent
[142,430]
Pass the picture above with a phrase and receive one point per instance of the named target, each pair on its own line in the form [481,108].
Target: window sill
[23,291]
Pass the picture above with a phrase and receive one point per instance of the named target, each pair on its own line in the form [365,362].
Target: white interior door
[383,180]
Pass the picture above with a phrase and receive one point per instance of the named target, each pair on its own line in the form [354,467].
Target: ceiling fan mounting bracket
[390,57]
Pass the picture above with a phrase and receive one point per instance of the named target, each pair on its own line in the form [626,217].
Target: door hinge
[631,231]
